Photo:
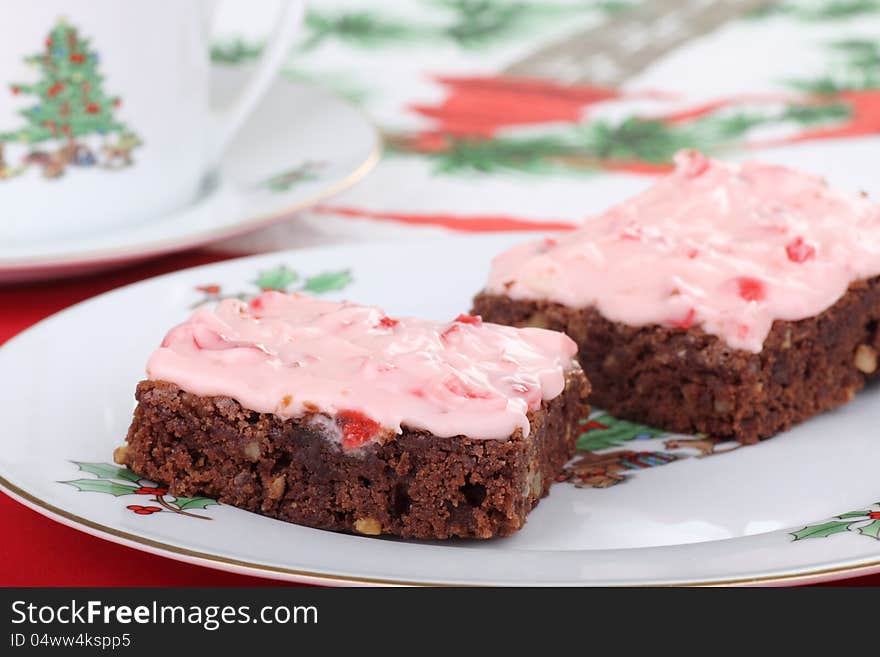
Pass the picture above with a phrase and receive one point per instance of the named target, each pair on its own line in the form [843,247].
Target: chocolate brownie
[734,300]
[689,381]
[336,416]
[415,485]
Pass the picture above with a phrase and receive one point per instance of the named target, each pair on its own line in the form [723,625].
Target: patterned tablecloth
[515,115]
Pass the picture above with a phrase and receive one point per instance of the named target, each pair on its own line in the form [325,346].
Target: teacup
[104,112]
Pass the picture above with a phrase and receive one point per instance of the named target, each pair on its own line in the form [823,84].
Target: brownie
[686,380]
[413,485]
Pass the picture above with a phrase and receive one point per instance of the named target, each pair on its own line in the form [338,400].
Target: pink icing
[289,354]
[728,247]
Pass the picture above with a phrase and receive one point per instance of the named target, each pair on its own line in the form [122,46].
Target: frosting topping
[727,247]
[293,355]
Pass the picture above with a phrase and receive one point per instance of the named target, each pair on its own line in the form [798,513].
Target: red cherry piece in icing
[388,322]
[476,320]
[256,303]
[751,289]
[357,429]
[686,322]
[799,251]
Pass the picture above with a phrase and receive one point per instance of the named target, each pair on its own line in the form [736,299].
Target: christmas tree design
[71,104]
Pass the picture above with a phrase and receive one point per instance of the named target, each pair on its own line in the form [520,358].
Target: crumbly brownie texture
[688,381]
[415,485]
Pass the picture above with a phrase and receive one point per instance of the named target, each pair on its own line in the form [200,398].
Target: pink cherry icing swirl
[727,247]
[292,354]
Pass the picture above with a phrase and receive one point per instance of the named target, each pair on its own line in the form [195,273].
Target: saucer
[300,146]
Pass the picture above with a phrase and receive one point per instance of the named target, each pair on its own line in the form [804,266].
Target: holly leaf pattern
[102,486]
[328,281]
[277,278]
[872,529]
[604,431]
[107,471]
[853,514]
[822,530]
[187,503]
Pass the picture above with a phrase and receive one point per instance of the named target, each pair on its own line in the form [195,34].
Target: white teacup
[104,111]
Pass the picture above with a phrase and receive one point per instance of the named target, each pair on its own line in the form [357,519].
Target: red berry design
[15,91]
[874,515]
[595,424]
[388,322]
[150,490]
[93,108]
[799,251]
[357,428]
[55,89]
[77,58]
[117,103]
[143,510]
[475,320]
[751,289]
[49,42]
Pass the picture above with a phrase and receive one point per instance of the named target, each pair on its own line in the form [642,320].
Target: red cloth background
[38,552]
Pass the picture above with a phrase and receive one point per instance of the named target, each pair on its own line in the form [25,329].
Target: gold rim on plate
[236,565]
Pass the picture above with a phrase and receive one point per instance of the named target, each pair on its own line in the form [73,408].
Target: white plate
[756,514]
[300,146]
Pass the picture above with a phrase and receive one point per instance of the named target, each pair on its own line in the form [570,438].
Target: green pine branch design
[818,11]
[856,67]
[465,23]
[587,148]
